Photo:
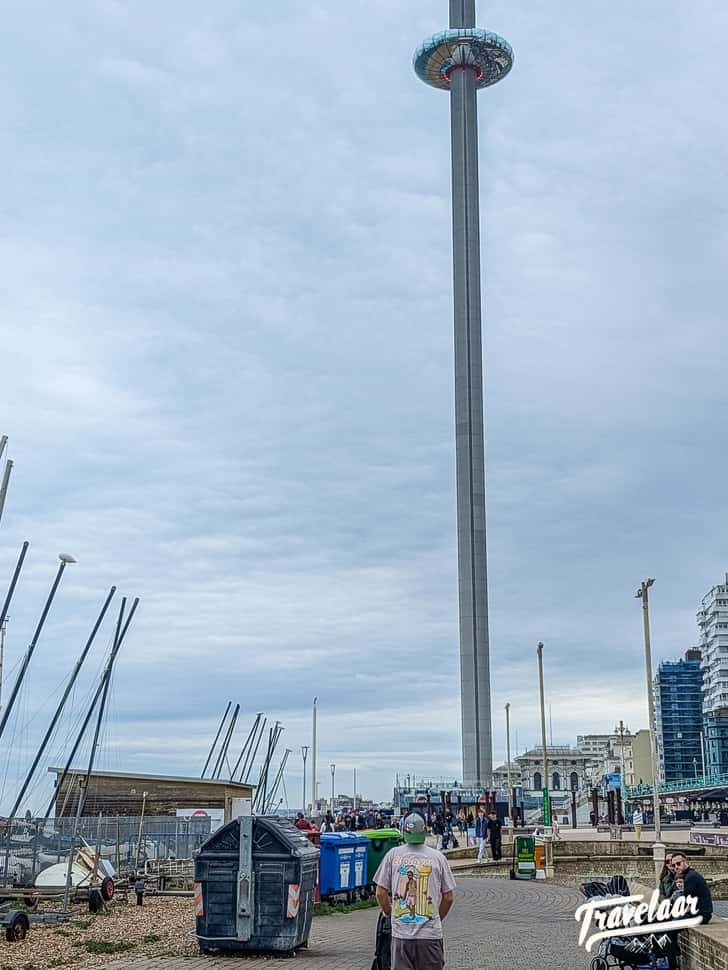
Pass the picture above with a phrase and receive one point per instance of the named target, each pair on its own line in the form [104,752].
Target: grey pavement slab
[495,924]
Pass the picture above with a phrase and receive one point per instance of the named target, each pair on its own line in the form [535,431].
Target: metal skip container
[255,881]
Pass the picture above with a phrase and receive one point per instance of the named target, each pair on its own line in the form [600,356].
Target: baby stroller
[649,952]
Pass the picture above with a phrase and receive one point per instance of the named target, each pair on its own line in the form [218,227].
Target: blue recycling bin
[343,862]
[361,855]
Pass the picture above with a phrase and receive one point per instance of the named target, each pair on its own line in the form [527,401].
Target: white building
[607,753]
[567,768]
[713,625]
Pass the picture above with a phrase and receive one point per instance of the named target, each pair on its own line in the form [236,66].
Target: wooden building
[123,793]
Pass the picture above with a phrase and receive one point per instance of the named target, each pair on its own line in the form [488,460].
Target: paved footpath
[496,924]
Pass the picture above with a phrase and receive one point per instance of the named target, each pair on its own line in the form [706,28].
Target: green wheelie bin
[380,842]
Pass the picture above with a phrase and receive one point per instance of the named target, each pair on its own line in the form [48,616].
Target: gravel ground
[161,927]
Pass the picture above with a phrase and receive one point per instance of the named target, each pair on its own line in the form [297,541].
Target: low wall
[705,947]
[702,947]
[602,858]
[624,848]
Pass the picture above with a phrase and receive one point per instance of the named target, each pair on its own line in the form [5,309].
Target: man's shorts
[417,954]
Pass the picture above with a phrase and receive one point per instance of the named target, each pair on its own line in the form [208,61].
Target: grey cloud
[228,363]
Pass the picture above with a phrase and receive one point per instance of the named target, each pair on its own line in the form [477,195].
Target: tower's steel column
[469,439]
[462,60]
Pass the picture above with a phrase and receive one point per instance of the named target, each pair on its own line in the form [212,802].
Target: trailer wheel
[599,963]
[16,927]
[30,902]
[95,901]
[107,889]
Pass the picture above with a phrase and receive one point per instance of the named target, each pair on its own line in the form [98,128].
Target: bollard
[548,852]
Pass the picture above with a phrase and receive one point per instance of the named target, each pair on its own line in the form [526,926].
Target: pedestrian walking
[638,822]
[481,835]
[415,888]
[438,829]
[328,824]
[495,835]
[139,888]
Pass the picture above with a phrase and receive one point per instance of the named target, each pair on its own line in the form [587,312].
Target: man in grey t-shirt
[415,887]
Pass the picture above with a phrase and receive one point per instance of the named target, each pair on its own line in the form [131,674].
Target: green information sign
[546,807]
[525,850]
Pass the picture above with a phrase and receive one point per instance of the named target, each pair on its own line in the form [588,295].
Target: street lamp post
[695,768]
[314,787]
[546,805]
[333,785]
[658,849]
[508,759]
[621,751]
[304,755]
[548,831]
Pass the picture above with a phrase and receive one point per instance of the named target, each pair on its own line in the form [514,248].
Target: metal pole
[277,781]
[658,849]
[62,703]
[248,742]
[4,486]
[621,748]
[702,752]
[247,768]
[355,789]
[6,607]
[97,852]
[13,581]
[546,807]
[333,785]
[56,716]
[139,834]
[217,737]
[508,760]
[69,870]
[226,743]
[33,643]
[99,690]
[314,755]
[3,628]
[304,755]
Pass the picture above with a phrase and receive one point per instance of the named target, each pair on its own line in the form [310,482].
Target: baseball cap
[414,829]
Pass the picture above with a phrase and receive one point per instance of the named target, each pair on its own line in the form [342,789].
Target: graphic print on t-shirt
[411,900]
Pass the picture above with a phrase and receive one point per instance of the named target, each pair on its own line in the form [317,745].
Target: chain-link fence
[28,846]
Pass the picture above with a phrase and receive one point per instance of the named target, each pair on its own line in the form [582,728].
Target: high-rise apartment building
[678,689]
[713,624]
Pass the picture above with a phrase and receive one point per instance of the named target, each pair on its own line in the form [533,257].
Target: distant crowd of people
[344,821]
[444,825]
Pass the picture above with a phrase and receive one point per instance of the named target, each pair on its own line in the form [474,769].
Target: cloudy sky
[227,366]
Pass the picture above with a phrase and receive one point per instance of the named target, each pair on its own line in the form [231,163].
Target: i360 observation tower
[462,60]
